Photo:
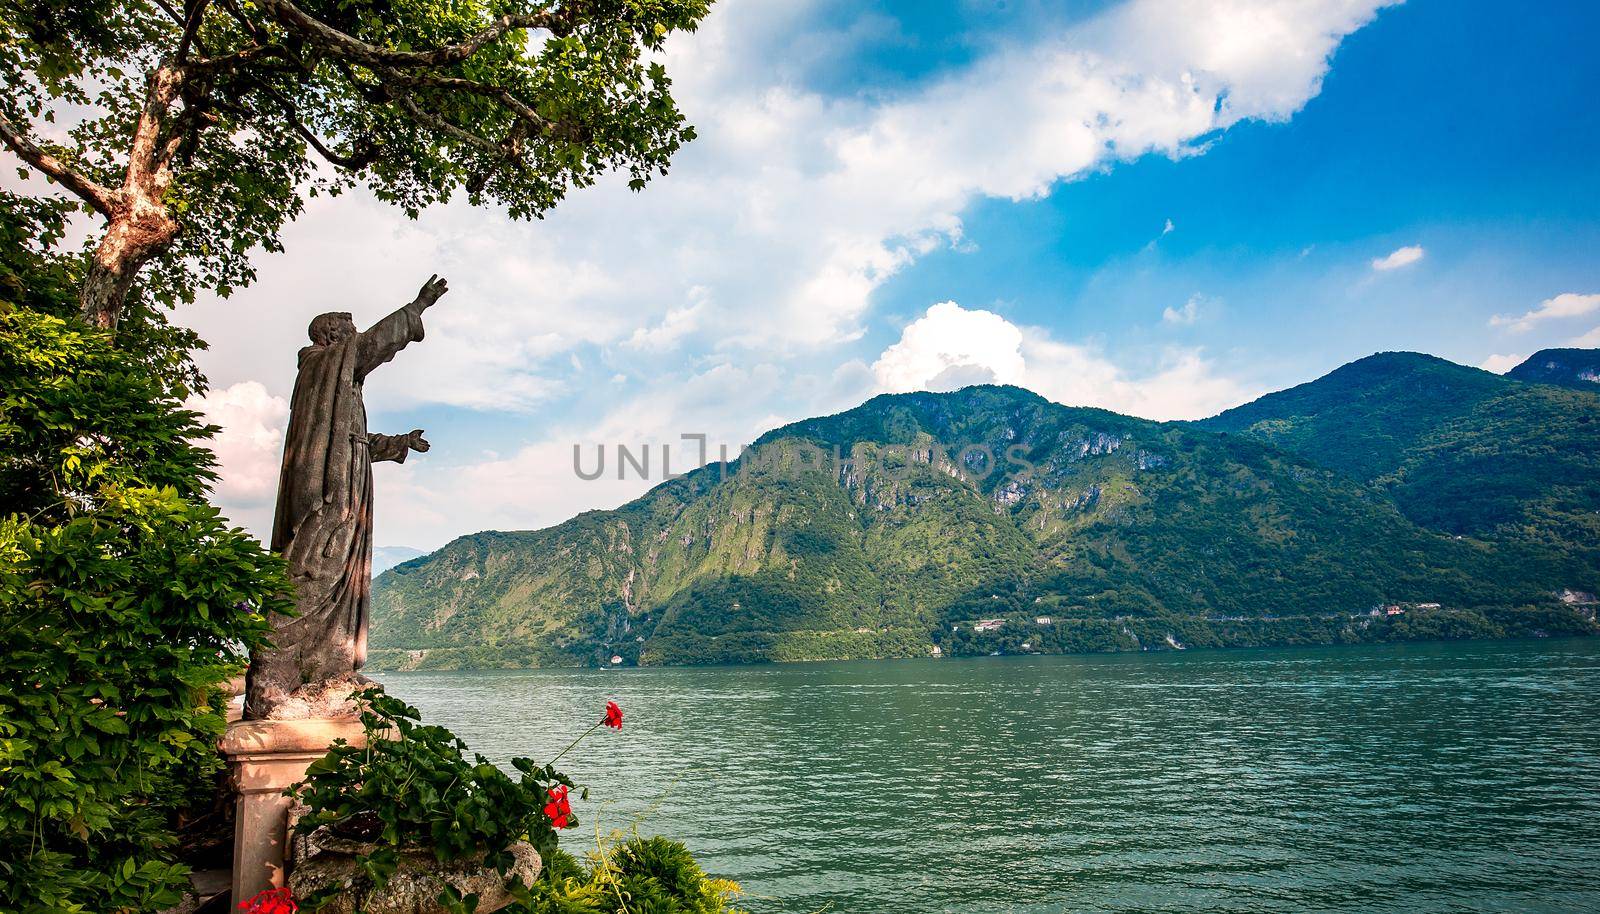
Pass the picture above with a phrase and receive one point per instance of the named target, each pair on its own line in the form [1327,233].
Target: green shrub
[126,602]
[635,876]
[411,786]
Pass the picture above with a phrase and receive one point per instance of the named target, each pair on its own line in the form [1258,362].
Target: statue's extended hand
[431,290]
[416,442]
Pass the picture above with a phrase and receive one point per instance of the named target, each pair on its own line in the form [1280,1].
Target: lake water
[1462,777]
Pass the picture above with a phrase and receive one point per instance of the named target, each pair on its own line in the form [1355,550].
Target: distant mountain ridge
[1575,368]
[1460,450]
[1462,500]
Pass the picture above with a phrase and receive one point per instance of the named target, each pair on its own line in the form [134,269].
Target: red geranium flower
[270,901]
[558,809]
[613,718]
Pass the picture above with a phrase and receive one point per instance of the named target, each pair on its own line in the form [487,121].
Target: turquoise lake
[1440,777]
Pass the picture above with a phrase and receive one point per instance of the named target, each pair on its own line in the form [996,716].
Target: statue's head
[330,328]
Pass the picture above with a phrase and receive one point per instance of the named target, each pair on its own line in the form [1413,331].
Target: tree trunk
[105,289]
[139,225]
[141,229]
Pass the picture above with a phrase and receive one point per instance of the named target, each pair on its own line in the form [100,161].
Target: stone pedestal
[264,758]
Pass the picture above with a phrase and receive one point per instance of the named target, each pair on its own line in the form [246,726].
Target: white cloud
[792,208]
[1590,340]
[952,347]
[1401,257]
[1182,316]
[1500,364]
[666,335]
[1165,231]
[1181,383]
[247,448]
[1152,76]
[1567,304]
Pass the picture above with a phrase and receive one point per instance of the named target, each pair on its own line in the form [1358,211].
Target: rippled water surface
[1398,778]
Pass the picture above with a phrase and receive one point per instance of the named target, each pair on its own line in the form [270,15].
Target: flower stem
[574,744]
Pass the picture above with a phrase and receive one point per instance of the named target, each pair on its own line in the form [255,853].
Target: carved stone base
[322,700]
[415,886]
[264,758]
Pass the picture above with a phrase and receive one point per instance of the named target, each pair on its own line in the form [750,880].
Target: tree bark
[139,225]
[130,241]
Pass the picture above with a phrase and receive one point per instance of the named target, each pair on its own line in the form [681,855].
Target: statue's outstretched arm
[395,447]
[382,340]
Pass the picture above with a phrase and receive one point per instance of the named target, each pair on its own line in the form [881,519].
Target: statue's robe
[323,522]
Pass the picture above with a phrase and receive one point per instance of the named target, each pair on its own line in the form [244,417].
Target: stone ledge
[287,737]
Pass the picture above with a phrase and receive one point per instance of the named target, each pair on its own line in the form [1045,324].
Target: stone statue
[323,523]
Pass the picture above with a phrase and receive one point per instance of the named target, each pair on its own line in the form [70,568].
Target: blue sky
[1453,126]
[1164,207]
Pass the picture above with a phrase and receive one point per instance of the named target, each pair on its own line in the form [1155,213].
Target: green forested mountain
[887,531]
[1575,368]
[1460,450]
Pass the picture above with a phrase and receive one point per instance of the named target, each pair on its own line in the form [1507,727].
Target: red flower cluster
[558,809]
[613,718]
[270,901]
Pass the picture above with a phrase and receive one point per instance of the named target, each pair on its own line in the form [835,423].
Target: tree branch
[454,83]
[101,198]
[207,63]
[363,151]
[235,59]
[510,151]
[155,140]
[191,27]
[444,126]
[296,19]
[245,22]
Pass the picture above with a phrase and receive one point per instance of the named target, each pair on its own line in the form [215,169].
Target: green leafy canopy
[214,109]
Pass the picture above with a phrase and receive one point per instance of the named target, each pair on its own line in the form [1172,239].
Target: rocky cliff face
[871,532]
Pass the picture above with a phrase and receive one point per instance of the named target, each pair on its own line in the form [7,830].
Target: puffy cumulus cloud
[1567,304]
[247,449]
[1590,340]
[1500,364]
[951,347]
[1400,257]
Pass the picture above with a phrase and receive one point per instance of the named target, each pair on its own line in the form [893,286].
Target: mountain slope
[1575,368]
[1460,450]
[884,530]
